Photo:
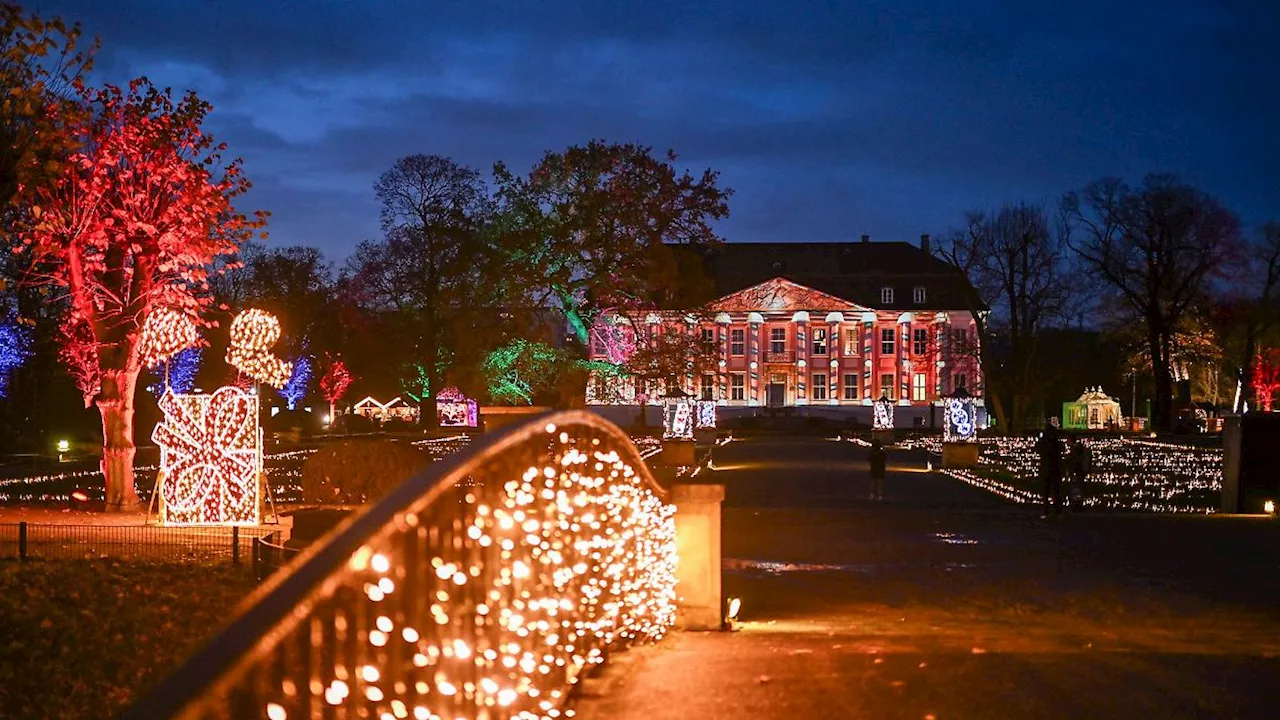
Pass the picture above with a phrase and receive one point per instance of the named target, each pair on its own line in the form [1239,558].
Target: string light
[164,333]
[253,332]
[550,567]
[959,423]
[210,459]
[15,348]
[296,388]
[706,414]
[677,420]
[882,414]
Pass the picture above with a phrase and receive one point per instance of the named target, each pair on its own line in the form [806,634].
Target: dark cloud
[828,119]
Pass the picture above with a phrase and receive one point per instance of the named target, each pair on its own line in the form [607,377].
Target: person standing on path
[877,457]
[1050,450]
[1079,463]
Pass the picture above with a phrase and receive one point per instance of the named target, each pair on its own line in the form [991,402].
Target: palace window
[709,337]
[959,340]
[886,385]
[736,341]
[819,341]
[920,341]
[708,386]
[918,295]
[886,341]
[850,386]
[850,341]
[960,380]
[918,391]
[819,386]
[886,296]
[737,386]
[777,340]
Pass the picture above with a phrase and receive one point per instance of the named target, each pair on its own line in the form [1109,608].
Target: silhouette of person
[877,458]
[1050,449]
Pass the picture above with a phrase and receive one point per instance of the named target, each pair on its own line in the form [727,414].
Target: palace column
[904,358]
[754,322]
[939,343]
[835,350]
[869,353]
[801,322]
[722,378]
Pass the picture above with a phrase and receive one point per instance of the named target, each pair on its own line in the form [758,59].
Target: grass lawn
[85,639]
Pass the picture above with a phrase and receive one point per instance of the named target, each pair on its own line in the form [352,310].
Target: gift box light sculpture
[210,459]
[959,425]
[706,414]
[882,418]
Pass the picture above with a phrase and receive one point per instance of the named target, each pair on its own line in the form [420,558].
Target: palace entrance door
[777,391]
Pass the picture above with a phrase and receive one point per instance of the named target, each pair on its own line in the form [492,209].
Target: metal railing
[148,543]
[482,588]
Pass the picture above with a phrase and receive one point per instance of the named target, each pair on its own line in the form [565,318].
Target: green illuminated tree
[594,227]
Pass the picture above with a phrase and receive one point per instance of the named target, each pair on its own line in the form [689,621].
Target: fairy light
[706,414]
[210,459]
[882,417]
[544,569]
[253,332]
[165,332]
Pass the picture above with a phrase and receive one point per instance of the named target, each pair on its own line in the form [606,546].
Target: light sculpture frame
[882,413]
[706,415]
[677,414]
[210,459]
[453,409]
[959,418]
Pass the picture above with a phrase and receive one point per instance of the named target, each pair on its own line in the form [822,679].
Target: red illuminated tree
[337,378]
[136,220]
[1266,378]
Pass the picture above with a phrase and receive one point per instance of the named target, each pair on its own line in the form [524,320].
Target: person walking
[877,458]
[1050,450]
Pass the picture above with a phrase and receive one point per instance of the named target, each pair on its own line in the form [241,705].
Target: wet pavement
[942,601]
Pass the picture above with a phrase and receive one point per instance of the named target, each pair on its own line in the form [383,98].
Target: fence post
[22,541]
[235,544]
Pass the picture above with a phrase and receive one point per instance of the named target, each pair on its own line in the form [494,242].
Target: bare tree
[1018,268]
[1259,314]
[1157,246]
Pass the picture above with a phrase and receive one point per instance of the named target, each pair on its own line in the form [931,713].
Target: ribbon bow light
[210,457]
[253,332]
[165,332]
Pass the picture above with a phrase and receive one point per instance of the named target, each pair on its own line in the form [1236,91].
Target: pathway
[944,602]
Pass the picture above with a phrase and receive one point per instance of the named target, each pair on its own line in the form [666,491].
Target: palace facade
[814,324]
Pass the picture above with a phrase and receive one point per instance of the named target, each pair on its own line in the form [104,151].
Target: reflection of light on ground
[777,568]
[954,539]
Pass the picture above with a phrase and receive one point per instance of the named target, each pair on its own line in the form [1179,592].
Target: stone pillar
[754,323]
[698,594]
[870,351]
[802,369]
[835,351]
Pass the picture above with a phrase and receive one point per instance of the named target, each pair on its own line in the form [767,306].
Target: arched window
[918,296]
[886,296]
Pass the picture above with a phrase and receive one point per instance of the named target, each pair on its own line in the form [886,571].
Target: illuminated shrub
[359,471]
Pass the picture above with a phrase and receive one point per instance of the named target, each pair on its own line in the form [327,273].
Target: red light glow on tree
[79,355]
[210,459]
[165,333]
[139,213]
[337,378]
[1266,378]
[253,332]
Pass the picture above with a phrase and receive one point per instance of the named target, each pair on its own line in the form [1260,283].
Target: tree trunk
[115,403]
[1162,400]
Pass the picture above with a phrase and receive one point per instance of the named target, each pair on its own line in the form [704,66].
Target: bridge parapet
[482,588]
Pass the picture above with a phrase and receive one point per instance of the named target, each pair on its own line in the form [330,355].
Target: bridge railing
[482,588]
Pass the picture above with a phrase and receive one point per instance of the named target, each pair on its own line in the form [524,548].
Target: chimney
[866,237]
[924,242]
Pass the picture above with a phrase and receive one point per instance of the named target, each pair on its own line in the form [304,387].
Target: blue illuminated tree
[182,369]
[299,381]
[15,348]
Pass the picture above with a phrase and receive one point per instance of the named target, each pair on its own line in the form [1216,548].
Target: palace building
[836,325]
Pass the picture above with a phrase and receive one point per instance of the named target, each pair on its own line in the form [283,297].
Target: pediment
[781,295]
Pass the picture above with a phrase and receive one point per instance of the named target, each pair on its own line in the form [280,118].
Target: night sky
[828,119]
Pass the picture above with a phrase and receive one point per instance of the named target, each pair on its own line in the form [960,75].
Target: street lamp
[677,414]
